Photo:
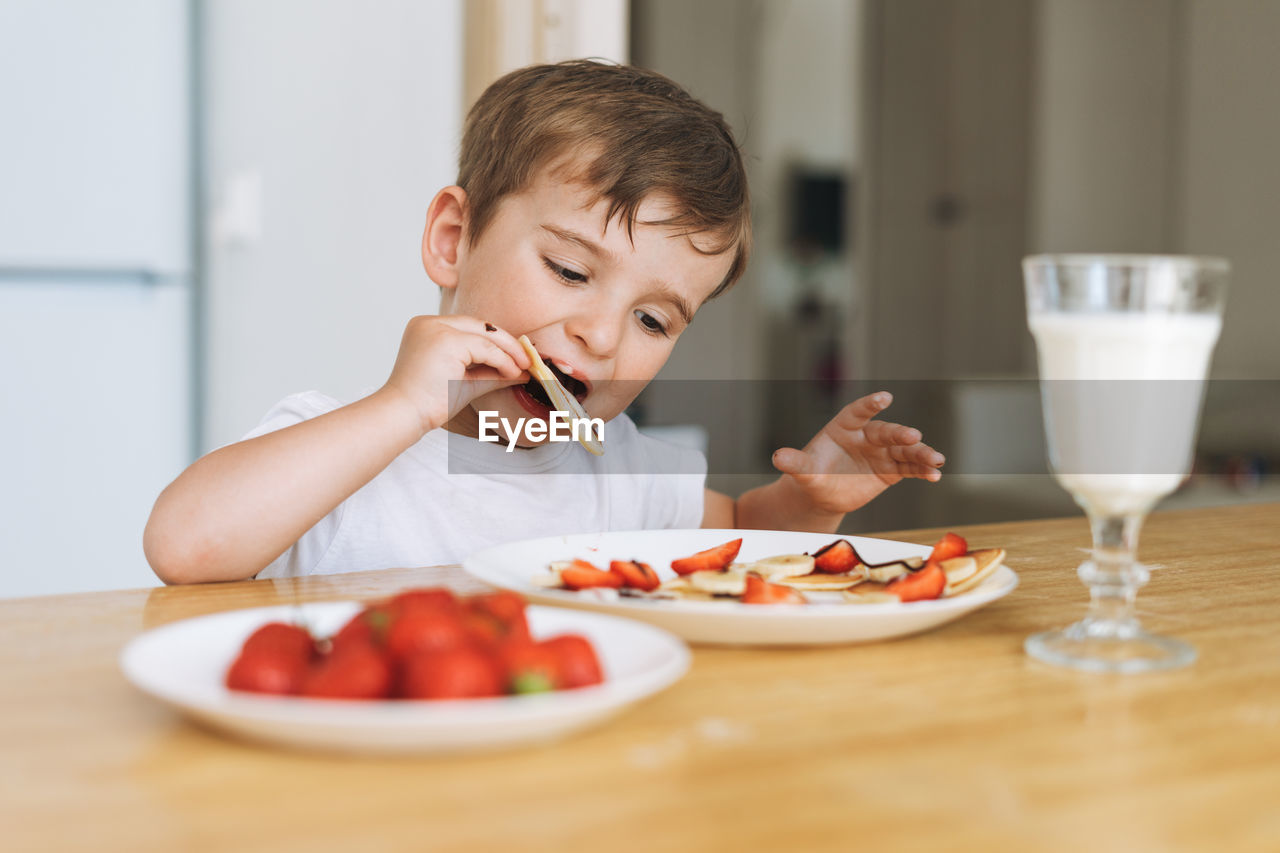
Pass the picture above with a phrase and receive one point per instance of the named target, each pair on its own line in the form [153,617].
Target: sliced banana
[987,560]
[718,583]
[871,592]
[560,398]
[885,572]
[820,581]
[676,584]
[681,589]
[959,569]
[782,566]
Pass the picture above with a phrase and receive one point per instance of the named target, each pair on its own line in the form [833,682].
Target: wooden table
[950,740]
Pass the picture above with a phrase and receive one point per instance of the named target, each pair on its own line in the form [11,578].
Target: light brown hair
[632,133]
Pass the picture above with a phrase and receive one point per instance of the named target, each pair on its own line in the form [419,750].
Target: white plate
[184,665]
[827,619]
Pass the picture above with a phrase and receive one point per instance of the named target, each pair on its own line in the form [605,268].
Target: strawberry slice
[760,591]
[947,547]
[583,575]
[636,574]
[836,558]
[715,559]
[926,584]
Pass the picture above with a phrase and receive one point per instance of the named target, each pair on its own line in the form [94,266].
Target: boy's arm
[848,463]
[237,509]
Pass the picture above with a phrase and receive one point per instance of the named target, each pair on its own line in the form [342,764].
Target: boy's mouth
[575,387]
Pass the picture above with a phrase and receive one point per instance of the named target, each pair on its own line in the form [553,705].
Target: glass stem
[1113,575]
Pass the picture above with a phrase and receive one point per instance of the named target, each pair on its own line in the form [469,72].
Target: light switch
[236,220]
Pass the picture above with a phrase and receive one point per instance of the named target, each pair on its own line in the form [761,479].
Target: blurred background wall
[206,205]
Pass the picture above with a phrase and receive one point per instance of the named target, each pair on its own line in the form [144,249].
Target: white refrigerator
[96,290]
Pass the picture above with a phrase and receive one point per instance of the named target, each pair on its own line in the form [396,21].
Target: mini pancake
[560,398]
[820,581]
[988,560]
[870,592]
[959,569]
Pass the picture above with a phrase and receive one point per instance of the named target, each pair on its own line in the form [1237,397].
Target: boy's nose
[596,328]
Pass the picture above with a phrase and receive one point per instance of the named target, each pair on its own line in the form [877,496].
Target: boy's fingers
[788,460]
[483,351]
[491,333]
[920,472]
[856,415]
[884,434]
[919,454]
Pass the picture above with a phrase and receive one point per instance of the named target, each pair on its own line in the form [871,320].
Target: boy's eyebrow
[574,237]
[682,306]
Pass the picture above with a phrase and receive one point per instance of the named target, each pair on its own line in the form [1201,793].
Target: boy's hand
[446,362]
[854,458]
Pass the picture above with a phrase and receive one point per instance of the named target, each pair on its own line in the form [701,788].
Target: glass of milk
[1123,343]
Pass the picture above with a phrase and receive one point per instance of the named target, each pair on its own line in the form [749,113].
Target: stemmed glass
[1124,343]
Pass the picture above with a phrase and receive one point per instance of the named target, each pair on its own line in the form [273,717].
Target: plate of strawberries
[424,671]
[756,587]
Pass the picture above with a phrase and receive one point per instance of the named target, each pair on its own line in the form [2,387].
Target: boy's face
[604,308]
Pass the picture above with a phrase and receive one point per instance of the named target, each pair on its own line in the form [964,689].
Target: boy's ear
[443,238]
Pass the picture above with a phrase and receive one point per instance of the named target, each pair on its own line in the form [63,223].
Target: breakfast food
[834,570]
[711,560]
[421,644]
[560,397]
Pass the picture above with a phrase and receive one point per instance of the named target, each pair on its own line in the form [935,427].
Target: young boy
[598,207]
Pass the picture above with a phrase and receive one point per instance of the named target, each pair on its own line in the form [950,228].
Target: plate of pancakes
[858,604]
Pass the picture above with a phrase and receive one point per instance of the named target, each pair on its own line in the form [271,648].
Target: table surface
[953,739]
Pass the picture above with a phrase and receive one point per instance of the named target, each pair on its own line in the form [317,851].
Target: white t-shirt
[448,496]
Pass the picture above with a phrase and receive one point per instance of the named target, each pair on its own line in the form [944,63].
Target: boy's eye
[651,323]
[571,276]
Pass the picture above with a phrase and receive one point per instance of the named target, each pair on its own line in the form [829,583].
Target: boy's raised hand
[854,457]
[447,361]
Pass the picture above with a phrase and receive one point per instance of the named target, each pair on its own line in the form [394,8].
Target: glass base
[1109,647]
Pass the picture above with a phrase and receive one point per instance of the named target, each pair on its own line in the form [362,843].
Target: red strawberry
[425,631]
[836,558]
[268,672]
[358,671]
[460,673]
[504,605]
[711,560]
[436,599]
[290,640]
[530,667]
[947,547]
[496,617]
[368,626]
[760,591]
[926,584]
[576,659]
[583,575]
[636,574]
